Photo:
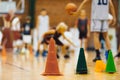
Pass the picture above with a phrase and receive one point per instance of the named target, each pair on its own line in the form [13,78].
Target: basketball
[70,7]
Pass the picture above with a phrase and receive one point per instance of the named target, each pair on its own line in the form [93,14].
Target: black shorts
[46,40]
[82,35]
[58,42]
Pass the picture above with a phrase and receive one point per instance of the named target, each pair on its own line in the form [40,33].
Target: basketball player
[16,28]
[56,34]
[83,28]
[42,26]
[26,34]
[42,23]
[99,22]
[11,29]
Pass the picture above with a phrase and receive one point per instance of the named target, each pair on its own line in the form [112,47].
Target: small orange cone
[3,51]
[100,66]
[4,55]
[31,51]
[52,68]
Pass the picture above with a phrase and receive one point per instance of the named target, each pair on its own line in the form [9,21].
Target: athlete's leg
[96,40]
[65,51]
[38,49]
[81,43]
[45,50]
[107,41]
[118,54]
[85,43]
[97,46]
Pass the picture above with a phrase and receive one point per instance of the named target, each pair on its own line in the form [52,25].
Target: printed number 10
[102,2]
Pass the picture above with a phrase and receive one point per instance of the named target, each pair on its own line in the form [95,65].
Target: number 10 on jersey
[102,2]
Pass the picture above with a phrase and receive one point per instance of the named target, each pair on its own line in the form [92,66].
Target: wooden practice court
[19,68]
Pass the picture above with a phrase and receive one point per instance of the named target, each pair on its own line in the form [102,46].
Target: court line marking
[21,68]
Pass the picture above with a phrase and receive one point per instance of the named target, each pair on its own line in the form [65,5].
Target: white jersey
[100,9]
[43,25]
[15,24]
[1,36]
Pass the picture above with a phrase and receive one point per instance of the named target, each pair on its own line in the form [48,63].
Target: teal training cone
[81,65]
[110,67]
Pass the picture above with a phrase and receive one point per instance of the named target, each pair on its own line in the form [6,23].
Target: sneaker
[44,54]
[22,52]
[118,55]
[66,56]
[106,55]
[97,58]
[37,53]
[58,56]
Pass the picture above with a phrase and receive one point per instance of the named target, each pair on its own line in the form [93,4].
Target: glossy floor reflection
[22,68]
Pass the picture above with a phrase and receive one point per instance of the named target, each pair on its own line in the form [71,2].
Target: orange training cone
[100,66]
[52,68]
[3,52]
[4,55]
[31,50]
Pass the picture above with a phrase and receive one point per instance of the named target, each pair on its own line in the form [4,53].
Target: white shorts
[17,43]
[99,25]
[27,39]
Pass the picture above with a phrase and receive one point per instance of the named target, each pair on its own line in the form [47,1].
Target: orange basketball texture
[70,7]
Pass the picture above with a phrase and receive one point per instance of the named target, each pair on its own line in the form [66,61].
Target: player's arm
[80,7]
[4,20]
[76,24]
[3,17]
[68,39]
[113,12]
[82,4]
[88,29]
[19,3]
[37,23]
[49,32]
[48,22]
[46,33]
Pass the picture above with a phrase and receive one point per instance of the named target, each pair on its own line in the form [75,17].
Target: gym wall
[56,10]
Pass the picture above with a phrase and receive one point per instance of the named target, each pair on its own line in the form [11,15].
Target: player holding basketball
[99,22]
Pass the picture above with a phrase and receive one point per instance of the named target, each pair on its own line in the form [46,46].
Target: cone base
[82,72]
[111,72]
[99,70]
[52,74]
